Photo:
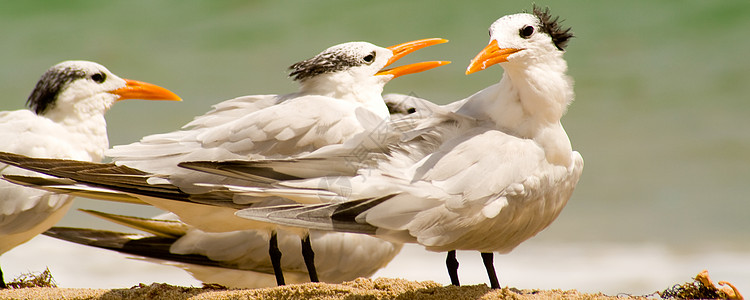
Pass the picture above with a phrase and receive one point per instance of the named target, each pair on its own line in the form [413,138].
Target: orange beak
[142,90]
[412,68]
[490,55]
[402,50]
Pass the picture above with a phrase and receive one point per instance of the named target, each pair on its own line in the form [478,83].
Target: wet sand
[381,288]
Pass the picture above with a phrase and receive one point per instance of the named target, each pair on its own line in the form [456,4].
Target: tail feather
[160,228]
[105,175]
[111,176]
[134,244]
[69,187]
[128,243]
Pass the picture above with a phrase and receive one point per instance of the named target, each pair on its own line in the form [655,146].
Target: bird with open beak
[339,96]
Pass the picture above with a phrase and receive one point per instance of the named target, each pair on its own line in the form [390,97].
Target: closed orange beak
[492,54]
[143,90]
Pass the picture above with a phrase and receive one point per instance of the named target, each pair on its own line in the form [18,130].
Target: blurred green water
[661,113]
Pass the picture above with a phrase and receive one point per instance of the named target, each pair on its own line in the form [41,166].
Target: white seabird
[65,119]
[340,96]
[483,174]
[237,259]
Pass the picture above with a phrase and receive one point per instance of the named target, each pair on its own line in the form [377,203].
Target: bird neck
[528,102]
[85,122]
[367,92]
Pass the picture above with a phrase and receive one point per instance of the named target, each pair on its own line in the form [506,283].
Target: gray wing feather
[140,245]
[342,217]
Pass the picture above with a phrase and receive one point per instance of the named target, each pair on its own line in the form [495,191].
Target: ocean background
[661,117]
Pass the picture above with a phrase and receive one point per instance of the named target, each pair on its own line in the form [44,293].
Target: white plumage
[336,85]
[484,174]
[323,112]
[238,259]
[66,120]
[340,96]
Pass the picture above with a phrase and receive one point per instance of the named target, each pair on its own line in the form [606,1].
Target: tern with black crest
[65,119]
[339,97]
[484,174]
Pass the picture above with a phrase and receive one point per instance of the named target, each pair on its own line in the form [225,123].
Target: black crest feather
[49,86]
[322,63]
[551,25]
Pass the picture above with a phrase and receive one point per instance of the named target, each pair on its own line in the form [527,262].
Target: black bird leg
[273,251]
[452,263]
[309,255]
[2,282]
[488,264]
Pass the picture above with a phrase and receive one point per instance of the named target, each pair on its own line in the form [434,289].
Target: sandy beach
[381,288]
[42,286]
[362,288]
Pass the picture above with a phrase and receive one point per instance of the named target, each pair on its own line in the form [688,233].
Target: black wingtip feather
[341,217]
[103,175]
[145,246]
[236,169]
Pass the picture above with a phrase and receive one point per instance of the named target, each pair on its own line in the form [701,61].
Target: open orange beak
[142,90]
[412,68]
[402,50]
[490,55]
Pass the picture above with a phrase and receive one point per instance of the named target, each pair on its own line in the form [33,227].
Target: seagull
[235,259]
[485,173]
[339,97]
[65,119]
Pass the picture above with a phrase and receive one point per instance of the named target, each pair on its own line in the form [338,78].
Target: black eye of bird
[99,77]
[369,58]
[526,31]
